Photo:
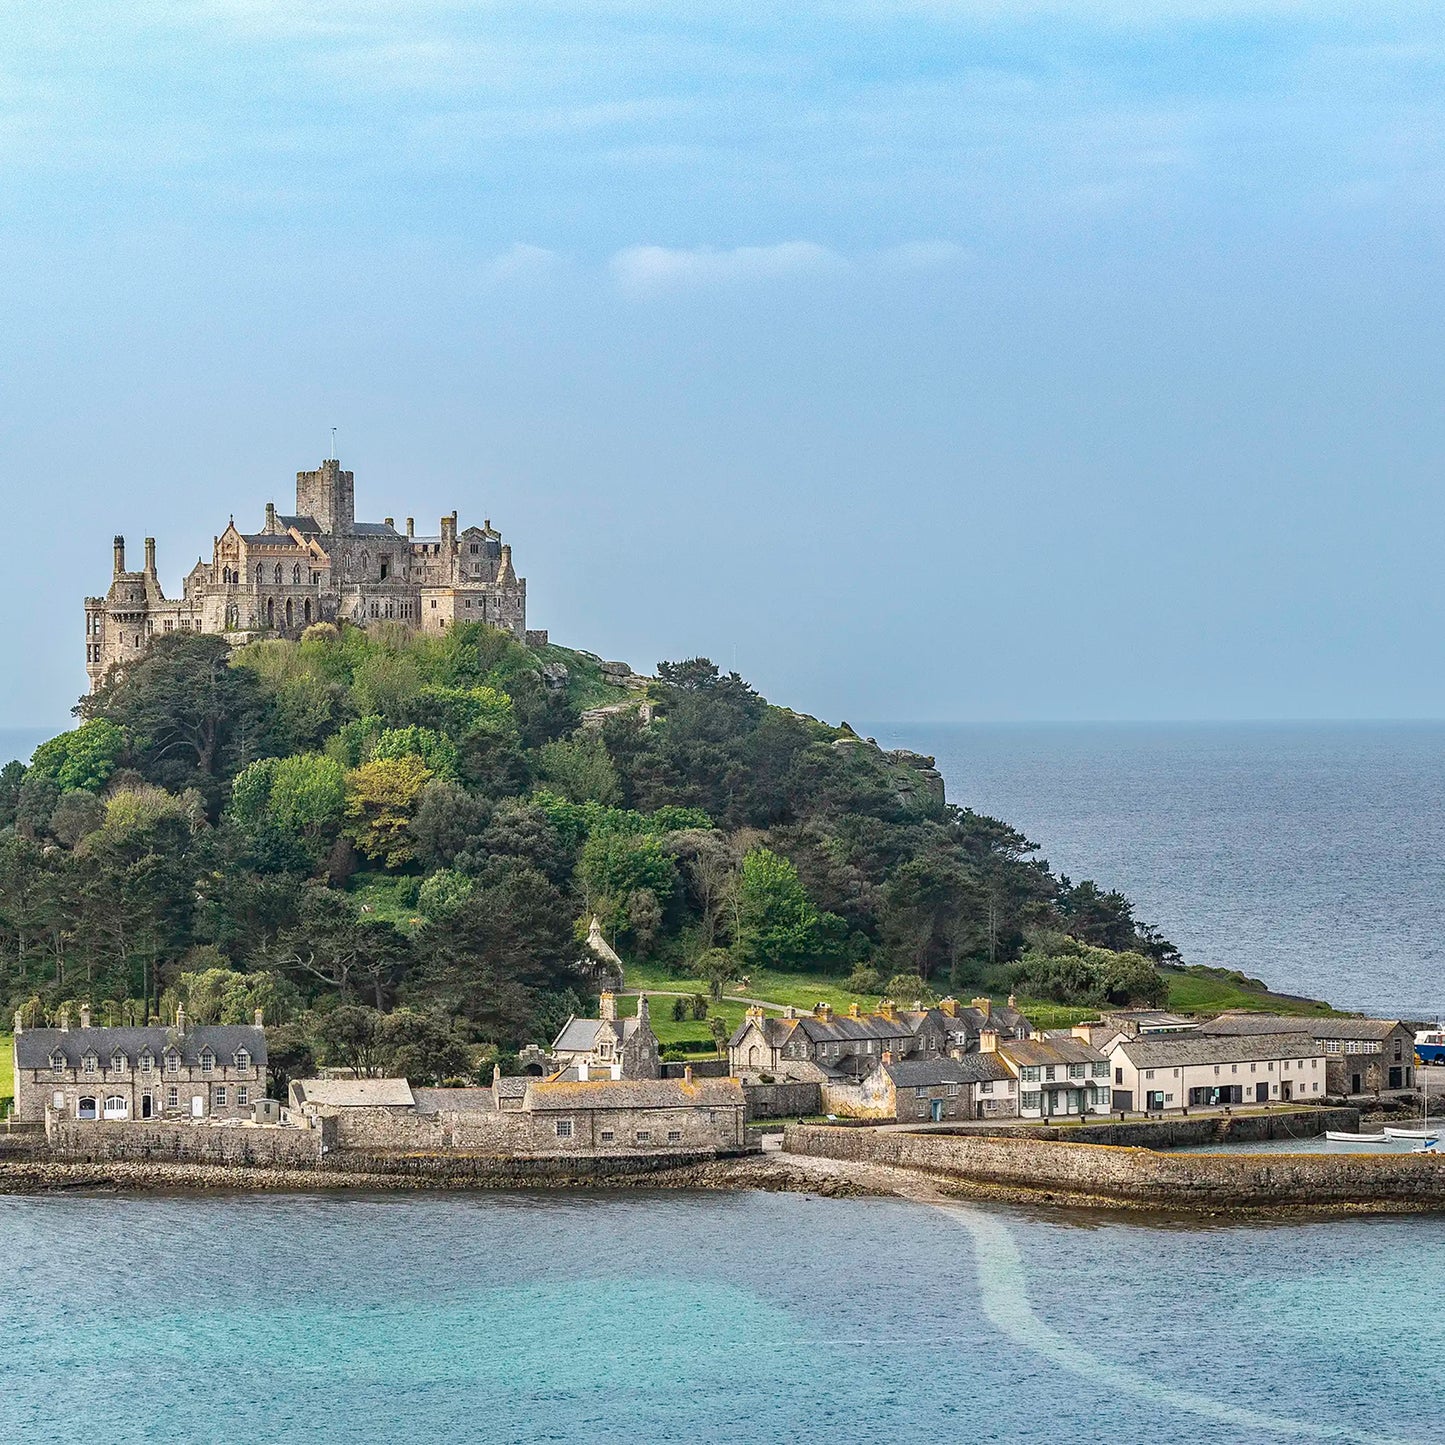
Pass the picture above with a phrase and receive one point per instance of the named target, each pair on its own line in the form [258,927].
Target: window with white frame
[243,1060]
[243,1096]
[1030,1100]
[57,1062]
[173,1097]
[173,1063]
[88,1063]
[145,1062]
[208,1061]
[221,1096]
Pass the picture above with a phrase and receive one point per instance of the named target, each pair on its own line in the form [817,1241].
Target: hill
[394,843]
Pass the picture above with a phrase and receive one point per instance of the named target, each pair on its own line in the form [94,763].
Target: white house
[1175,1071]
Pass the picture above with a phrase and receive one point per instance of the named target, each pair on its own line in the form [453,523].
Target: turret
[118,546]
[150,556]
[505,575]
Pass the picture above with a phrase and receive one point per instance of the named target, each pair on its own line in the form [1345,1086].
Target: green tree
[84,758]
[381,797]
[718,968]
[581,770]
[777,925]
[434,749]
[352,1037]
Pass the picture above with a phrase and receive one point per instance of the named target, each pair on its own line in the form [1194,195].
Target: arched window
[296,575]
[116,1107]
[270,612]
[278,574]
[307,609]
[260,573]
[85,1108]
[288,612]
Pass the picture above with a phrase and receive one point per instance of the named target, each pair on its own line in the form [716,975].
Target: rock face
[554,676]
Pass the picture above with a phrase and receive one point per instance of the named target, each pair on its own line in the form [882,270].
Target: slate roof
[33,1047]
[635,1094]
[1155,1051]
[775,1030]
[464,1101]
[579,1036]
[270,539]
[971,1069]
[354,1093]
[373,529]
[1238,1025]
[302,524]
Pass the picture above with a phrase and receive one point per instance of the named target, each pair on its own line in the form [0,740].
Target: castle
[320,565]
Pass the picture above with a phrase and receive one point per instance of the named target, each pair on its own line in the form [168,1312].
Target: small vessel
[1427,1135]
[1354,1138]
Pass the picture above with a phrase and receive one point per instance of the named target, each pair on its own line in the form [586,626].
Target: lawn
[1215,990]
[7,1067]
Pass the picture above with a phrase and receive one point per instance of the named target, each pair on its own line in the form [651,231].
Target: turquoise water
[743,1317]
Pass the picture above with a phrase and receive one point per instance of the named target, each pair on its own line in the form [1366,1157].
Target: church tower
[328,495]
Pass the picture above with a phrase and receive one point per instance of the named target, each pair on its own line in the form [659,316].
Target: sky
[923,359]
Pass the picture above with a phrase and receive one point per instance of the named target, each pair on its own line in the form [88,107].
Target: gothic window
[296,574]
[260,574]
[270,612]
[278,573]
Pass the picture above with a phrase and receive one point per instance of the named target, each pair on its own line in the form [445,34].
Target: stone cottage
[190,1071]
[933,1090]
[1362,1056]
[822,1045]
[609,1047]
[1057,1076]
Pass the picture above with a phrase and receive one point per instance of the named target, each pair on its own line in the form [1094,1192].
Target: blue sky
[932,360]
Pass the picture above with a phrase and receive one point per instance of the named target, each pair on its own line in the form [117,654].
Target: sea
[754,1318]
[1310,856]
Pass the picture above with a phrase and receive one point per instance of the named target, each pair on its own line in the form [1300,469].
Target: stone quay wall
[1111,1175]
[1179,1132]
[160,1142]
[494,1171]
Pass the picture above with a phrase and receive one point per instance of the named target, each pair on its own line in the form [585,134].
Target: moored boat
[1354,1138]
[1429,1135]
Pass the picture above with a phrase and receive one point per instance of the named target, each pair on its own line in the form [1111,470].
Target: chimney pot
[390,521]
[411,526]
[687,1073]
[118,545]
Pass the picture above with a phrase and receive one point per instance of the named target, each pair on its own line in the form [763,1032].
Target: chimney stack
[984,1006]
[181,1019]
[259,1015]
[85,1015]
[687,1073]
[390,521]
[852,1010]
[949,1006]
[270,516]
[887,1056]
[643,1015]
[1013,1001]
[151,556]
[885,1007]
[607,1005]
[19,1020]
[64,1020]
[988,1041]
[411,526]
[119,545]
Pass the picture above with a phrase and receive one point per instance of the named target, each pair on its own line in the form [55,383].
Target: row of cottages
[517,1115]
[190,1071]
[1238,1058]
[825,1047]
[1042,1077]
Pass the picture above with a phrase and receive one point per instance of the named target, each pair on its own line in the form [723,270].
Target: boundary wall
[1112,1175]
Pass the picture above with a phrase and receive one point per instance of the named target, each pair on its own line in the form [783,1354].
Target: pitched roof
[33,1047]
[354,1093]
[1238,1025]
[374,529]
[774,1030]
[971,1069]
[577,1037]
[1354,1028]
[302,524]
[1068,1050]
[635,1094]
[462,1101]
[1152,1051]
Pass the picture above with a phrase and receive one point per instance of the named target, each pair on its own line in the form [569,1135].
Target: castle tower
[329,495]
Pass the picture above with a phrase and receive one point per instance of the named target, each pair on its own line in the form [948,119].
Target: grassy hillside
[1215,990]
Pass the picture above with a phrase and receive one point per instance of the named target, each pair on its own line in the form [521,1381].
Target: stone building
[1056,1076]
[532,1117]
[191,1071]
[608,1047]
[317,565]
[1362,1056]
[932,1090]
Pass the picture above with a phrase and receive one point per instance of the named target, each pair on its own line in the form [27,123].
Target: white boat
[1354,1138]
[1430,1134]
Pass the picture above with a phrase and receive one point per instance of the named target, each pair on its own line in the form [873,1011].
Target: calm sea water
[749,1318]
[1312,856]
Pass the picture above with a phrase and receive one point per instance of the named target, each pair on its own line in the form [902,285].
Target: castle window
[260,574]
[434,604]
[278,572]
[473,549]
[296,574]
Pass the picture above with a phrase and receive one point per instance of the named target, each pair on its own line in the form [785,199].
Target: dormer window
[146,1061]
[88,1062]
[243,1060]
[208,1061]
[117,1062]
[173,1062]
[57,1061]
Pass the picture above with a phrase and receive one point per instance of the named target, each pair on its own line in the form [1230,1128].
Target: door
[1286,1089]
[1261,1093]
[1154,1099]
[198,1107]
[1395,1076]
[145,1106]
[936,1110]
[1354,1083]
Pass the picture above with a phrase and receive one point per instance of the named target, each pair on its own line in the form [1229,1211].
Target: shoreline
[773,1173]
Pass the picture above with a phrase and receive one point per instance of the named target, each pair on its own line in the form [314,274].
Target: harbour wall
[1177,1132]
[1113,1175]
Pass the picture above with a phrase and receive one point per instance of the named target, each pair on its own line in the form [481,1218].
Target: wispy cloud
[647,270]
[519,262]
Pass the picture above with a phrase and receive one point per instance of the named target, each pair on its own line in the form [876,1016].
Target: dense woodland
[394,844]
